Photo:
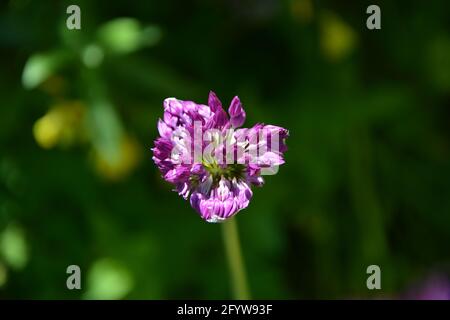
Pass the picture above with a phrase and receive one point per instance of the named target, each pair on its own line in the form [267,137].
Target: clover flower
[210,160]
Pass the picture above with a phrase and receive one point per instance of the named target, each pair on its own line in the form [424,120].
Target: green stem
[235,261]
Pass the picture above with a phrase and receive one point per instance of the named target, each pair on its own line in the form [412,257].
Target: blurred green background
[366,179]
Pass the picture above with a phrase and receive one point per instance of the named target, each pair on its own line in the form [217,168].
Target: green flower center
[228,172]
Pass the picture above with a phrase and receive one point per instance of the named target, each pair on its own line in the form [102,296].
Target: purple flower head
[237,113]
[210,160]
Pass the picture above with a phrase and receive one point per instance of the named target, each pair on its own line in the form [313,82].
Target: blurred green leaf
[92,56]
[41,66]
[106,130]
[108,279]
[13,247]
[125,35]
[104,125]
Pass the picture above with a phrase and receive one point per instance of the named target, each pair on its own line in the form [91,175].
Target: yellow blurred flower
[62,124]
[128,158]
[337,38]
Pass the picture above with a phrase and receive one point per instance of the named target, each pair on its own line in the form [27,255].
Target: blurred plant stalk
[235,261]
